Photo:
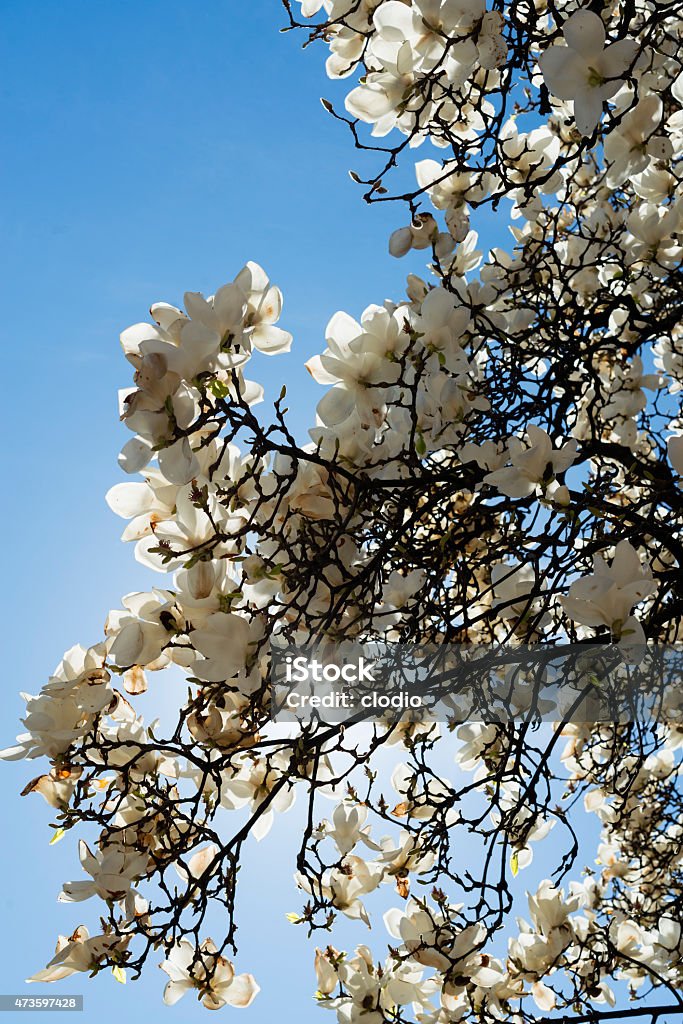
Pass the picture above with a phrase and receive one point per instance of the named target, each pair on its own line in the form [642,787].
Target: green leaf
[59,834]
[219,389]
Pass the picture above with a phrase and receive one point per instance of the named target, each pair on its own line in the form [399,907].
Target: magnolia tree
[495,460]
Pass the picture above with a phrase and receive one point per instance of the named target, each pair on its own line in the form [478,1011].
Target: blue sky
[149,148]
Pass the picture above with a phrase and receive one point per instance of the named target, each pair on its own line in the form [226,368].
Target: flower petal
[585,33]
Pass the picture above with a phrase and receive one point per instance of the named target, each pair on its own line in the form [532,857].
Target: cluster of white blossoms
[429,936]
[468,78]
[439,966]
[496,459]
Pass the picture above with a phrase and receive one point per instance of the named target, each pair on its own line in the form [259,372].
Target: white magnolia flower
[405,385]
[226,642]
[421,233]
[535,463]
[625,388]
[420,800]
[145,504]
[241,315]
[609,595]
[56,788]
[377,100]
[354,879]
[633,144]
[478,741]
[142,629]
[373,991]
[344,885]
[210,973]
[442,322]
[408,856]
[199,862]
[450,188]
[550,908]
[112,870]
[417,929]
[255,783]
[61,713]
[264,306]
[325,971]
[655,230]
[585,70]
[172,357]
[530,154]
[431,944]
[78,954]
[492,49]
[490,455]
[348,828]
[171,542]
[53,724]
[358,360]
[466,257]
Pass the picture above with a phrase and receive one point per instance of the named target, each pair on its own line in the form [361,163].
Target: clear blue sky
[149,147]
